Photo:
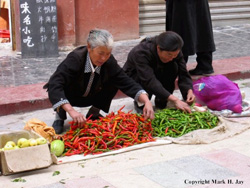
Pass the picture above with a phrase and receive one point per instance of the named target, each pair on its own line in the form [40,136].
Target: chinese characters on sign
[38,21]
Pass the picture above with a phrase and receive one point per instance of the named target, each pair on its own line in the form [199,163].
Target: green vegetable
[175,123]
[57,147]
[56,173]
[18,180]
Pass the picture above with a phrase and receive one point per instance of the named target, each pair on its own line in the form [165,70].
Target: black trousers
[167,75]
[101,100]
[204,60]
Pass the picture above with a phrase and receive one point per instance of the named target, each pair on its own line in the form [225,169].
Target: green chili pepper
[180,123]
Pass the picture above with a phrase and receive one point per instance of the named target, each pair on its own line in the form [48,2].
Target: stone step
[161,20]
[152,14]
[159,10]
[216,4]
[244,12]
[230,10]
[155,7]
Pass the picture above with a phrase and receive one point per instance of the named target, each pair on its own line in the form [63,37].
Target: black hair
[169,41]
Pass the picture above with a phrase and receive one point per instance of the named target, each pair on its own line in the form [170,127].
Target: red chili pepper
[83,146]
[114,131]
[68,145]
[175,130]
[104,144]
[95,153]
[85,138]
[166,131]
[93,146]
[70,152]
[107,134]
[124,128]
[89,117]
[94,132]
[119,111]
[75,141]
[79,147]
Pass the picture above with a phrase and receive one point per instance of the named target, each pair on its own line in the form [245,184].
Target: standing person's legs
[204,60]
[185,58]
[204,64]
[168,19]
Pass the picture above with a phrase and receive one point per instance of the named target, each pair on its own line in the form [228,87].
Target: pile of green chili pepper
[175,123]
[111,132]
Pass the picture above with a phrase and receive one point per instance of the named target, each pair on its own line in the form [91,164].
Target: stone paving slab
[221,168]
[187,169]
[54,185]
[230,159]
[165,174]
[88,183]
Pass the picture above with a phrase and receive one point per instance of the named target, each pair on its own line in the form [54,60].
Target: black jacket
[70,81]
[157,78]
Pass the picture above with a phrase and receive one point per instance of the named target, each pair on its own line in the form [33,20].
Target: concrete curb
[23,98]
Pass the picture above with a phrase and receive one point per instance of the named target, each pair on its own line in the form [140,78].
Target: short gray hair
[100,37]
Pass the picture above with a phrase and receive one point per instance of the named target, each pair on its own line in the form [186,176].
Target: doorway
[5,21]
[6,42]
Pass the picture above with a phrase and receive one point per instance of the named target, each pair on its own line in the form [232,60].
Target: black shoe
[58,126]
[94,116]
[200,72]
[138,109]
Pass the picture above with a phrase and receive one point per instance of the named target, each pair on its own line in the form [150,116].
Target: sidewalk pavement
[224,163]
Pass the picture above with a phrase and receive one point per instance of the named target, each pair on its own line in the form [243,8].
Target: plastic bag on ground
[218,93]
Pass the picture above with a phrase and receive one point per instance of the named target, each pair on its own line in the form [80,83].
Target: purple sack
[218,93]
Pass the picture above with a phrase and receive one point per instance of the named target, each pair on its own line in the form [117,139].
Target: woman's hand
[148,111]
[182,106]
[190,97]
[179,104]
[76,116]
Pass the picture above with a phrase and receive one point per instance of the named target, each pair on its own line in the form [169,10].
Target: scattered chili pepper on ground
[112,132]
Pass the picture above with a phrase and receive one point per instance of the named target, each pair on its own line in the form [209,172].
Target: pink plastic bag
[218,93]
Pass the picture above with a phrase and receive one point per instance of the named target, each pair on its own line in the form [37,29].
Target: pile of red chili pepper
[111,132]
